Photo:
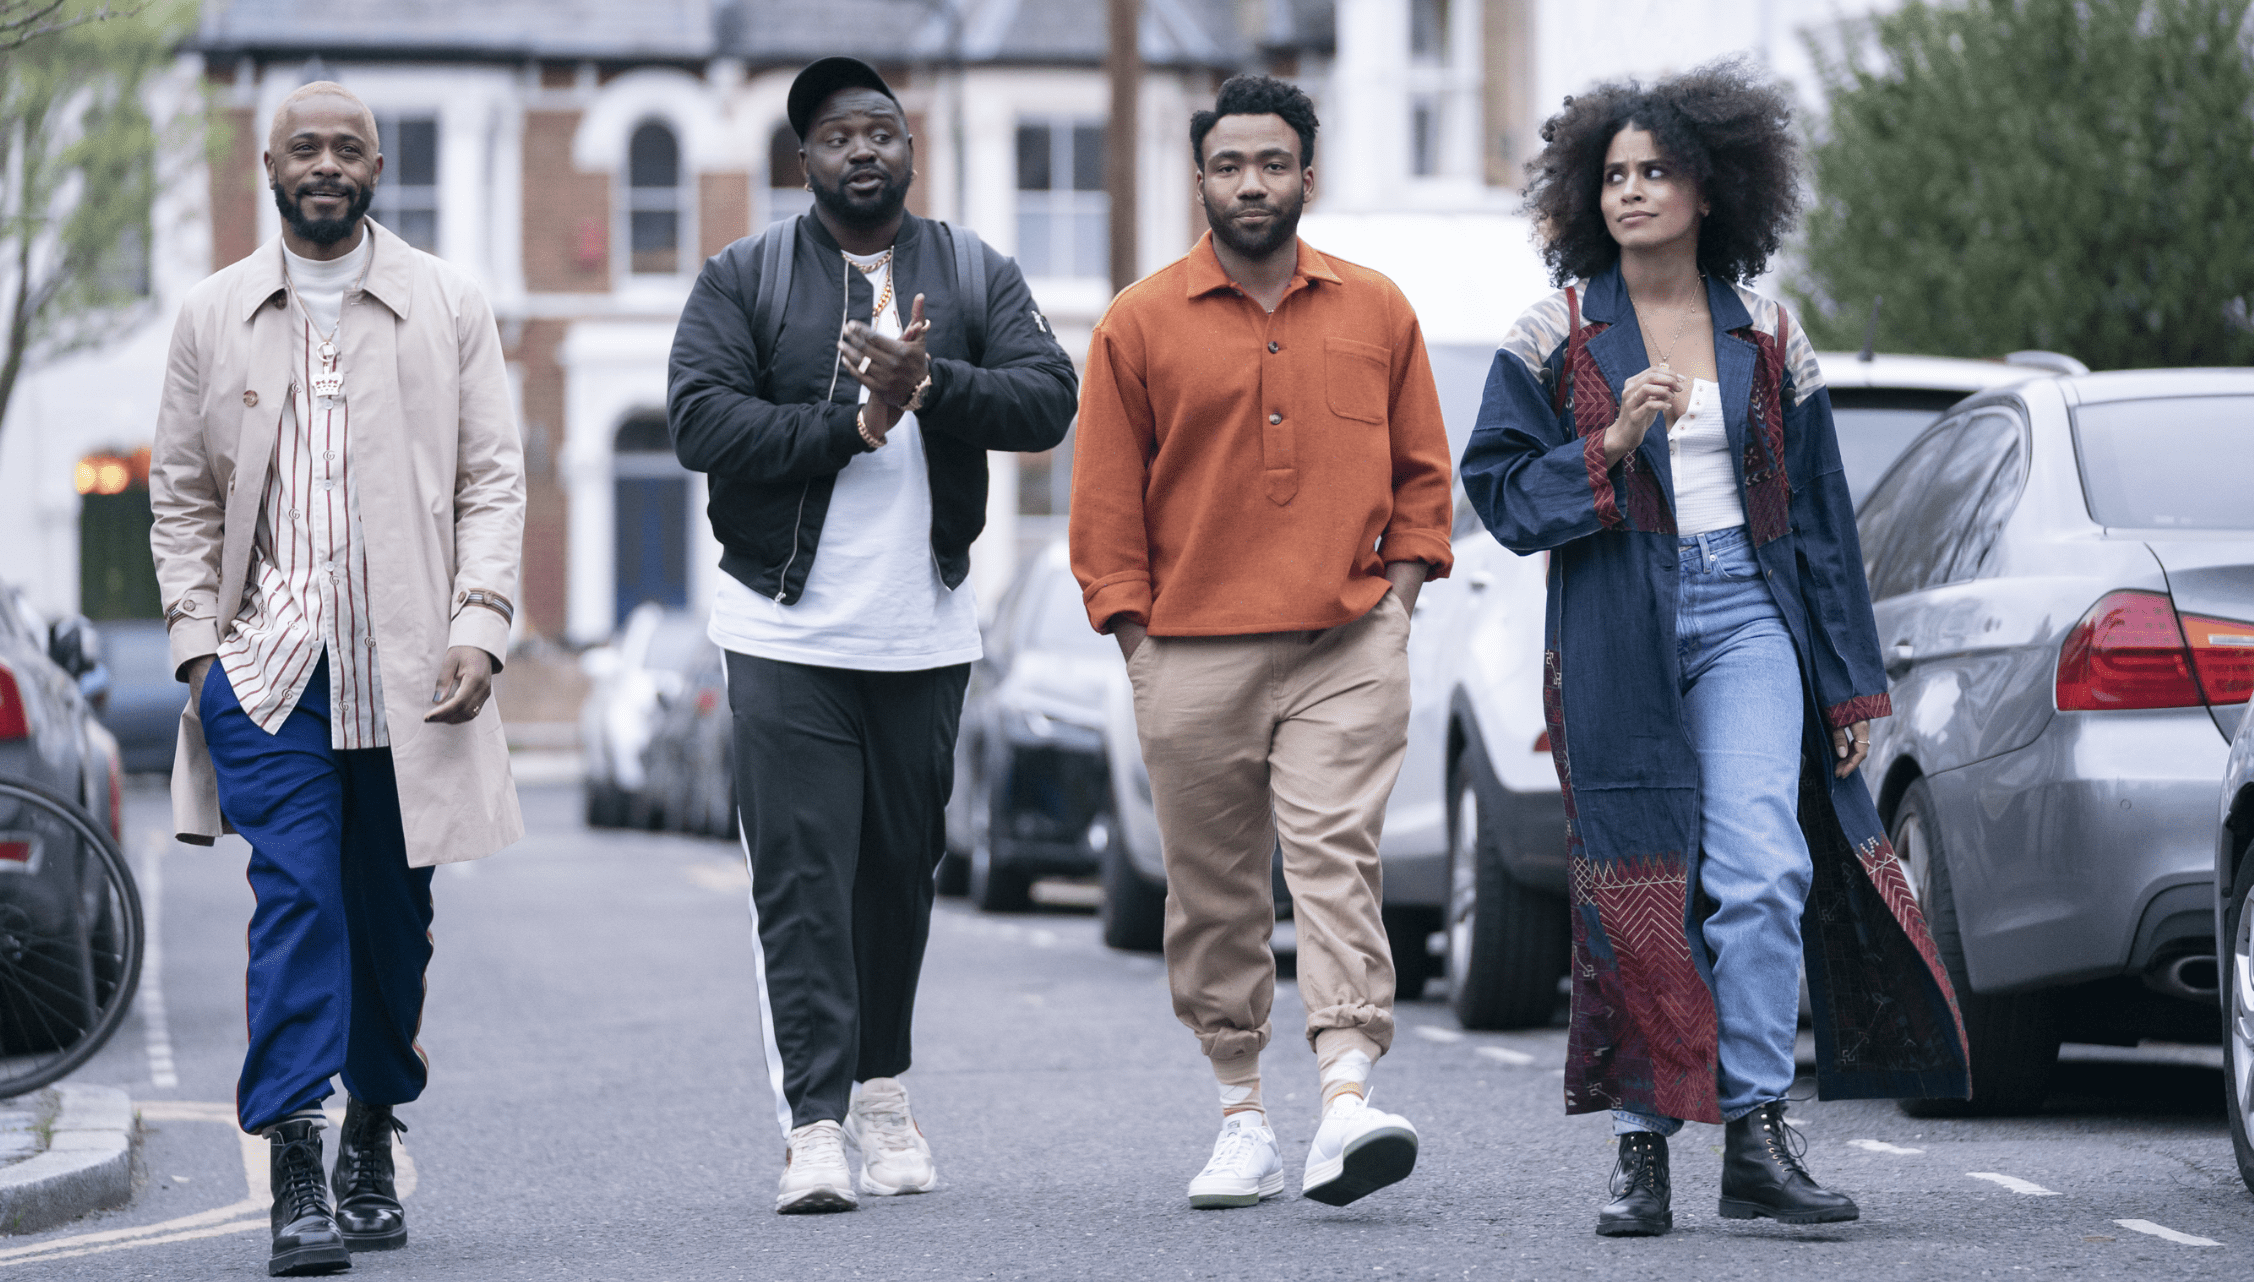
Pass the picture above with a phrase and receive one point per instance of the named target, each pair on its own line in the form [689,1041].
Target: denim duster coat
[1643,1032]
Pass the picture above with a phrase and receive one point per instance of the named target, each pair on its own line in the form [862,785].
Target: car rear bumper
[2088,853]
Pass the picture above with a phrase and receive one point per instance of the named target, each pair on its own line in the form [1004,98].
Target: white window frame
[1062,208]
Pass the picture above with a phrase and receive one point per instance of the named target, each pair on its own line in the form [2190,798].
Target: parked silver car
[2061,573]
[2234,937]
[632,679]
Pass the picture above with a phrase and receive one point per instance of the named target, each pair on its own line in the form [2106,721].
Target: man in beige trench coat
[339,496]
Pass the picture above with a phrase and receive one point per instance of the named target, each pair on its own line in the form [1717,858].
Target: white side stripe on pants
[759,968]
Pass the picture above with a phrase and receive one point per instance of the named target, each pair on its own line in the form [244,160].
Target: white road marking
[2166,1234]
[213,1223]
[2014,1183]
[1434,1033]
[164,1075]
[1881,1146]
[1504,1055]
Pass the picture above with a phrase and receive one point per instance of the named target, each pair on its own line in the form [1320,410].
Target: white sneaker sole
[1214,1199]
[822,1199]
[874,1188]
[1370,1161]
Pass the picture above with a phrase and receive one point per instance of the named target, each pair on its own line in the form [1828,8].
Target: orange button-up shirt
[1238,471]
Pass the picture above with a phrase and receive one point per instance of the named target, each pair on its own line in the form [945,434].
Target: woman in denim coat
[1711,663]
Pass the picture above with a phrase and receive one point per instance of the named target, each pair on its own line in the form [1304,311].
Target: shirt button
[371,643]
[328,485]
[293,513]
[250,400]
[328,454]
[1275,347]
[1275,418]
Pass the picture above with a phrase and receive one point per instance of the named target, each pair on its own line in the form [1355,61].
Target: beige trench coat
[439,476]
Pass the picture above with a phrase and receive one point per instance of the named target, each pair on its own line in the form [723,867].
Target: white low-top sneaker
[1246,1165]
[815,1178]
[895,1157]
[1357,1151]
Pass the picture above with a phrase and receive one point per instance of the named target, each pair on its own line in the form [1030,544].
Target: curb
[88,1165]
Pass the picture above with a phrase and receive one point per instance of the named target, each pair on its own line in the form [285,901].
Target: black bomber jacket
[772,441]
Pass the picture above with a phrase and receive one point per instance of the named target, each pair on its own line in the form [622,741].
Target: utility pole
[1123,63]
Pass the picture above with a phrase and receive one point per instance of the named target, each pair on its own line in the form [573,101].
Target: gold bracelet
[863,428]
[916,398]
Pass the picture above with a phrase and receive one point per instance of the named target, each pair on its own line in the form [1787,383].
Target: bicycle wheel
[70,936]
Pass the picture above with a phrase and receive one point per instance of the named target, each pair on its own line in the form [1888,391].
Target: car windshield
[1875,424]
[2183,462]
[1060,621]
[676,644]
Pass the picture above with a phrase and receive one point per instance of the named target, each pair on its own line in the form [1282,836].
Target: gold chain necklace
[884,300]
[1680,327]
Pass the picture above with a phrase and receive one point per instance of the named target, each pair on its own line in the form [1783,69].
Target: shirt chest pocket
[1356,378]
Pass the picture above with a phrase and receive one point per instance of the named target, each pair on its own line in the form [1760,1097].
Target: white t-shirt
[1706,497]
[321,285]
[873,599]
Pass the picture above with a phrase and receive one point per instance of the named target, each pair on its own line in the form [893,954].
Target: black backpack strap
[775,258]
[970,287]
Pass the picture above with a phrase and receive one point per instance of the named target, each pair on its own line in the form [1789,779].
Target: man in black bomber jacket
[843,421]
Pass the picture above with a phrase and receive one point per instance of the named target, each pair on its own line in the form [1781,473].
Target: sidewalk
[70,1151]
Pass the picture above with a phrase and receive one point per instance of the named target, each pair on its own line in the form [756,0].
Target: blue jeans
[340,935]
[1743,706]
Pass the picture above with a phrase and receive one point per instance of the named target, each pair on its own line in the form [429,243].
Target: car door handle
[1480,579]
[1898,658]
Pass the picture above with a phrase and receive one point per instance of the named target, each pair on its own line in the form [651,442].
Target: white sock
[1350,1071]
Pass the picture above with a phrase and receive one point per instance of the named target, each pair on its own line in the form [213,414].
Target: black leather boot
[368,1210]
[1762,1174]
[1640,1190]
[306,1240]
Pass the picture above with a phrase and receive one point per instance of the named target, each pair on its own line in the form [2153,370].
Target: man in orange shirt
[1259,489]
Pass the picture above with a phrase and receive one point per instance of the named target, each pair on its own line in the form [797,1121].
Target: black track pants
[842,777]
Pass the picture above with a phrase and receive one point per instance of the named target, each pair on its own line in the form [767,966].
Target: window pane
[1032,157]
[652,159]
[2186,462]
[1091,243]
[413,153]
[1940,516]
[784,168]
[1033,236]
[1088,158]
[418,227]
[1881,517]
[655,236]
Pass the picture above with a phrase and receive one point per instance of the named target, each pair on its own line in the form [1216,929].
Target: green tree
[2075,175]
[78,162]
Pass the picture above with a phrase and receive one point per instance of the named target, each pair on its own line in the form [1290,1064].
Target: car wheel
[1508,943]
[994,887]
[2013,1037]
[603,805]
[1134,909]
[2236,948]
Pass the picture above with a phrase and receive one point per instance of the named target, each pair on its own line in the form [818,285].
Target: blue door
[649,518]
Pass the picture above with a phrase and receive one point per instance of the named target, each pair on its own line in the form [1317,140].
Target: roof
[2156,384]
[667,29]
[1202,33]
[1938,373]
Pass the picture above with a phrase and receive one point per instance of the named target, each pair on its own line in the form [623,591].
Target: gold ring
[865,364]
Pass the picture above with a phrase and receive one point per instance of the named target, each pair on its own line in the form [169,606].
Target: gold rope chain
[884,300]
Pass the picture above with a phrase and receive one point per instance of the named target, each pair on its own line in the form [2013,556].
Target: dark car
[689,765]
[142,706]
[50,678]
[1032,779]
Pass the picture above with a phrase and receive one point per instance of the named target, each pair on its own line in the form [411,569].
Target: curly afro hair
[1724,123]
[1249,95]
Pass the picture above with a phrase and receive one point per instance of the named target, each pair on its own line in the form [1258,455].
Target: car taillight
[2130,651]
[2222,652]
[13,723]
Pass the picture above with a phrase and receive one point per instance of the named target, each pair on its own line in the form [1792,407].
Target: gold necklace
[1681,326]
[884,300]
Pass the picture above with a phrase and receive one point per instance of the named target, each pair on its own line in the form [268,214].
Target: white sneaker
[895,1157]
[1357,1151]
[815,1178]
[1246,1165]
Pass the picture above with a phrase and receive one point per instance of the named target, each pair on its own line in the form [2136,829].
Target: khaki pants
[1296,736]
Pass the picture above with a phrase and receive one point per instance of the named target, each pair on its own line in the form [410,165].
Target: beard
[863,212]
[322,231]
[1280,231]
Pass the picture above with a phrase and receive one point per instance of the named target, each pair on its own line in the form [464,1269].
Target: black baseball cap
[821,79]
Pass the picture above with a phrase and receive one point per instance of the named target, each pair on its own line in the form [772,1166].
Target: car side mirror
[74,645]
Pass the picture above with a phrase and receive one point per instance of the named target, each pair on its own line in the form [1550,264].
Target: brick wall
[723,211]
[566,212]
[238,182]
[547,513]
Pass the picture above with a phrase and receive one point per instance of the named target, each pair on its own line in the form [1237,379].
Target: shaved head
[285,115]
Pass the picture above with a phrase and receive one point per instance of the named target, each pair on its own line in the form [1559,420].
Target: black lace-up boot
[368,1210]
[306,1240]
[1640,1190]
[1762,1174]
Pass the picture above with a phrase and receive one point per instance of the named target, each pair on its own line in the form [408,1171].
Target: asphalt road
[598,1109]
